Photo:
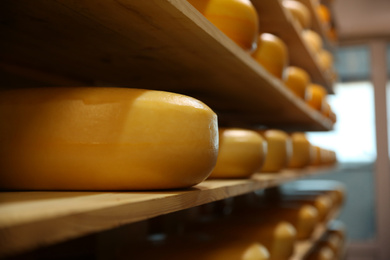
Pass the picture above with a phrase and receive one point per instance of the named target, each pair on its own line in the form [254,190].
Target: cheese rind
[104,139]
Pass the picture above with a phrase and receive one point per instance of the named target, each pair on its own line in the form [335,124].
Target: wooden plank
[159,44]
[29,220]
[274,19]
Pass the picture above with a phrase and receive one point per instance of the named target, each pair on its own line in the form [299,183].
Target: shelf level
[29,220]
[274,19]
[163,45]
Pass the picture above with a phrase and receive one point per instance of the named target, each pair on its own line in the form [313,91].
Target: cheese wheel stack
[104,139]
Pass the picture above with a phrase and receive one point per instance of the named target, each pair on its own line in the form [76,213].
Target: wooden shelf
[274,19]
[29,220]
[164,45]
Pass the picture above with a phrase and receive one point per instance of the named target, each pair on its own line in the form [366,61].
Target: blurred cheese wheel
[324,14]
[284,237]
[272,54]
[324,205]
[325,59]
[315,155]
[297,80]
[313,40]
[315,94]
[278,150]
[307,221]
[256,252]
[104,139]
[241,153]
[299,12]
[300,156]
[238,19]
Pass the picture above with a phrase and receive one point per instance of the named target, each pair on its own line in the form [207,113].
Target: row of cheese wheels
[90,138]
[243,152]
[253,231]
[238,20]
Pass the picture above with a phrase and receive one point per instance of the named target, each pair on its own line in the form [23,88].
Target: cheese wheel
[315,155]
[299,12]
[315,96]
[278,150]
[238,19]
[283,247]
[297,80]
[241,153]
[104,139]
[313,40]
[325,59]
[300,156]
[324,15]
[272,54]
[256,252]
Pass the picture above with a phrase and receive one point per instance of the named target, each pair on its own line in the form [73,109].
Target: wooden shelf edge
[29,220]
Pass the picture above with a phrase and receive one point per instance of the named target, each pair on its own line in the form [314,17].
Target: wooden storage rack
[160,44]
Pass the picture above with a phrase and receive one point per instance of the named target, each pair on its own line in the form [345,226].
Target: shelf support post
[382,165]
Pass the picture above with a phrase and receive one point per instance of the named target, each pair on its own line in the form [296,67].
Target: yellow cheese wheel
[315,95]
[313,40]
[256,252]
[278,150]
[324,205]
[104,139]
[241,153]
[238,19]
[272,54]
[315,155]
[325,59]
[307,221]
[297,80]
[299,12]
[324,15]
[300,156]
[284,237]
